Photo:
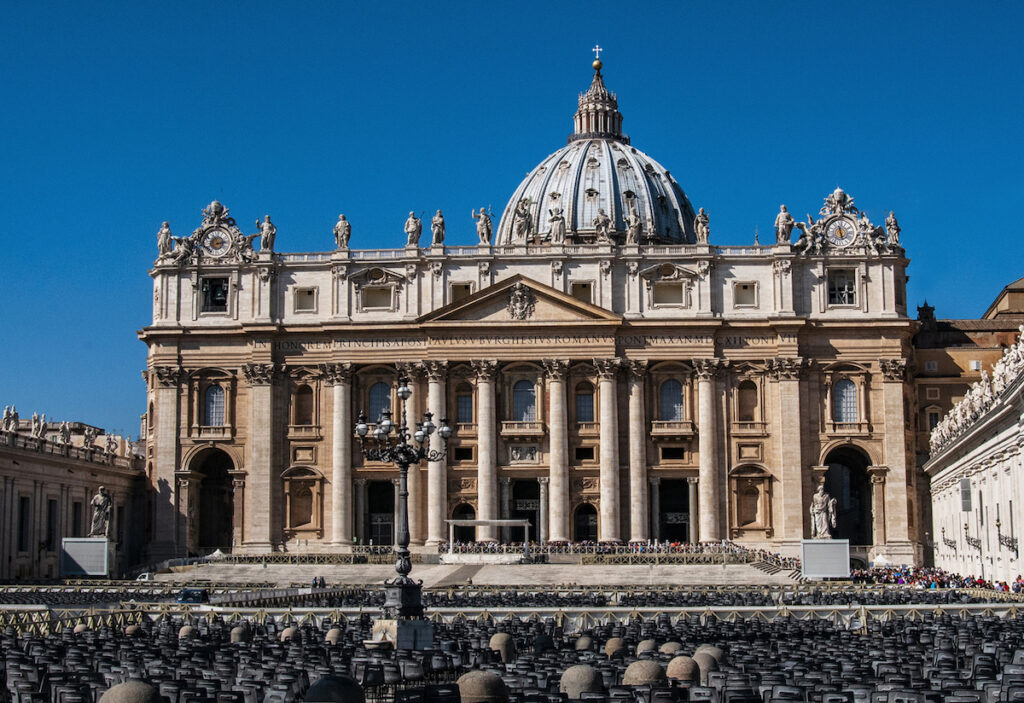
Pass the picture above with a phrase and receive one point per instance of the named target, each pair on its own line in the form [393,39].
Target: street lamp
[394,444]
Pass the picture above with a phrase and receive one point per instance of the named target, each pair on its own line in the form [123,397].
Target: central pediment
[519,300]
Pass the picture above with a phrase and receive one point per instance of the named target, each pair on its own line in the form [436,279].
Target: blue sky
[118,116]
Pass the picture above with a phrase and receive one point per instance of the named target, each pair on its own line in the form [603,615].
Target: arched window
[214,407]
[584,402]
[747,401]
[464,404]
[844,403]
[671,400]
[380,400]
[304,405]
[524,405]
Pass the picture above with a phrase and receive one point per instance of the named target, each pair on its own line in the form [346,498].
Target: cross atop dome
[597,116]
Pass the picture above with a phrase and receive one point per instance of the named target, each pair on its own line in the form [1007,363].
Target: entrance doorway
[216,502]
[847,481]
[380,499]
[525,506]
[585,523]
[674,510]
[464,533]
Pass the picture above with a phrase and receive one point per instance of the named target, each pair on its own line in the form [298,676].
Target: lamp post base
[404,633]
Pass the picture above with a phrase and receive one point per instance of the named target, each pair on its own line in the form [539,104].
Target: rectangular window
[584,453]
[463,453]
[673,453]
[120,524]
[76,519]
[931,393]
[933,419]
[377,298]
[51,525]
[582,291]
[584,407]
[464,409]
[965,495]
[842,287]
[24,523]
[214,293]
[931,365]
[745,294]
[461,290]
[305,300]
[668,294]
[975,364]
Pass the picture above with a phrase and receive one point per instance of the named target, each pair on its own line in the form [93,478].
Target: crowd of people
[925,577]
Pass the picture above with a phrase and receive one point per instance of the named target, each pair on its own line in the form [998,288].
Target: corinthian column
[710,519]
[640,507]
[437,474]
[261,483]
[486,453]
[340,377]
[608,527]
[558,473]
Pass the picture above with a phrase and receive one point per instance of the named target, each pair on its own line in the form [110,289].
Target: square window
[931,366]
[305,299]
[745,294]
[975,364]
[842,287]
[214,294]
[584,453]
[461,290]
[931,393]
[668,294]
[463,454]
[377,298]
[583,291]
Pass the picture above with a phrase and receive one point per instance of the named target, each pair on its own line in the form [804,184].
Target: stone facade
[977,454]
[46,485]
[610,374]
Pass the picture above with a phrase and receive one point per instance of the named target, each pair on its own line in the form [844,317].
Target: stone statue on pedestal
[268,231]
[65,432]
[413,229]
[702,226]
[603,226]
[823,514]
[557,221]
[102,506]
[634,226]
[342,232]
[522,221]
[483,225]
[164,240]
[784,224]
[892,229]
[437,230]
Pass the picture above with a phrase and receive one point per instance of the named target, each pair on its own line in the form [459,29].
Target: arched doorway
[673,510]
[215,509]
[847,481]
[585,523]
[380,497]
[464,533]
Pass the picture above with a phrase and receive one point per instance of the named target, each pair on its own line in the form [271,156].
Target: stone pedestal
[86,556]
[404,634]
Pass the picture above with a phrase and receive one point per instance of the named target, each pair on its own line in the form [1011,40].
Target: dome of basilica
[598,187]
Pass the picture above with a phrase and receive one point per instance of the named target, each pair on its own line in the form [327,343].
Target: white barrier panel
[825,558]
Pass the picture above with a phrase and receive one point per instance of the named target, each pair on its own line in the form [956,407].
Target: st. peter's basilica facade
[609,374]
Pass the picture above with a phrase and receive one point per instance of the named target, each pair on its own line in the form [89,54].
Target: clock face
[840,233]
[216,242]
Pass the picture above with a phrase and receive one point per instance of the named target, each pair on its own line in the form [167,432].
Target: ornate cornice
[169,376]
[786,367]
[436,370]
[485,369]
[336,374]
[555,369]
[607,368]
[893,369]
[709,367]
[260,374]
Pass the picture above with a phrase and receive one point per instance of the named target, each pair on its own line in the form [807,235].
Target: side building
[609,373]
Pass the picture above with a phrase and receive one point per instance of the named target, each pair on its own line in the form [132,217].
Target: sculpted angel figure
[784,224]
[164,240]
[342,232]
[483,225]
[267,233]
[892,229]
[557,222]
[603,226]
[437,229]
[823,514]
[413,228]
[702,226]
[185,250]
